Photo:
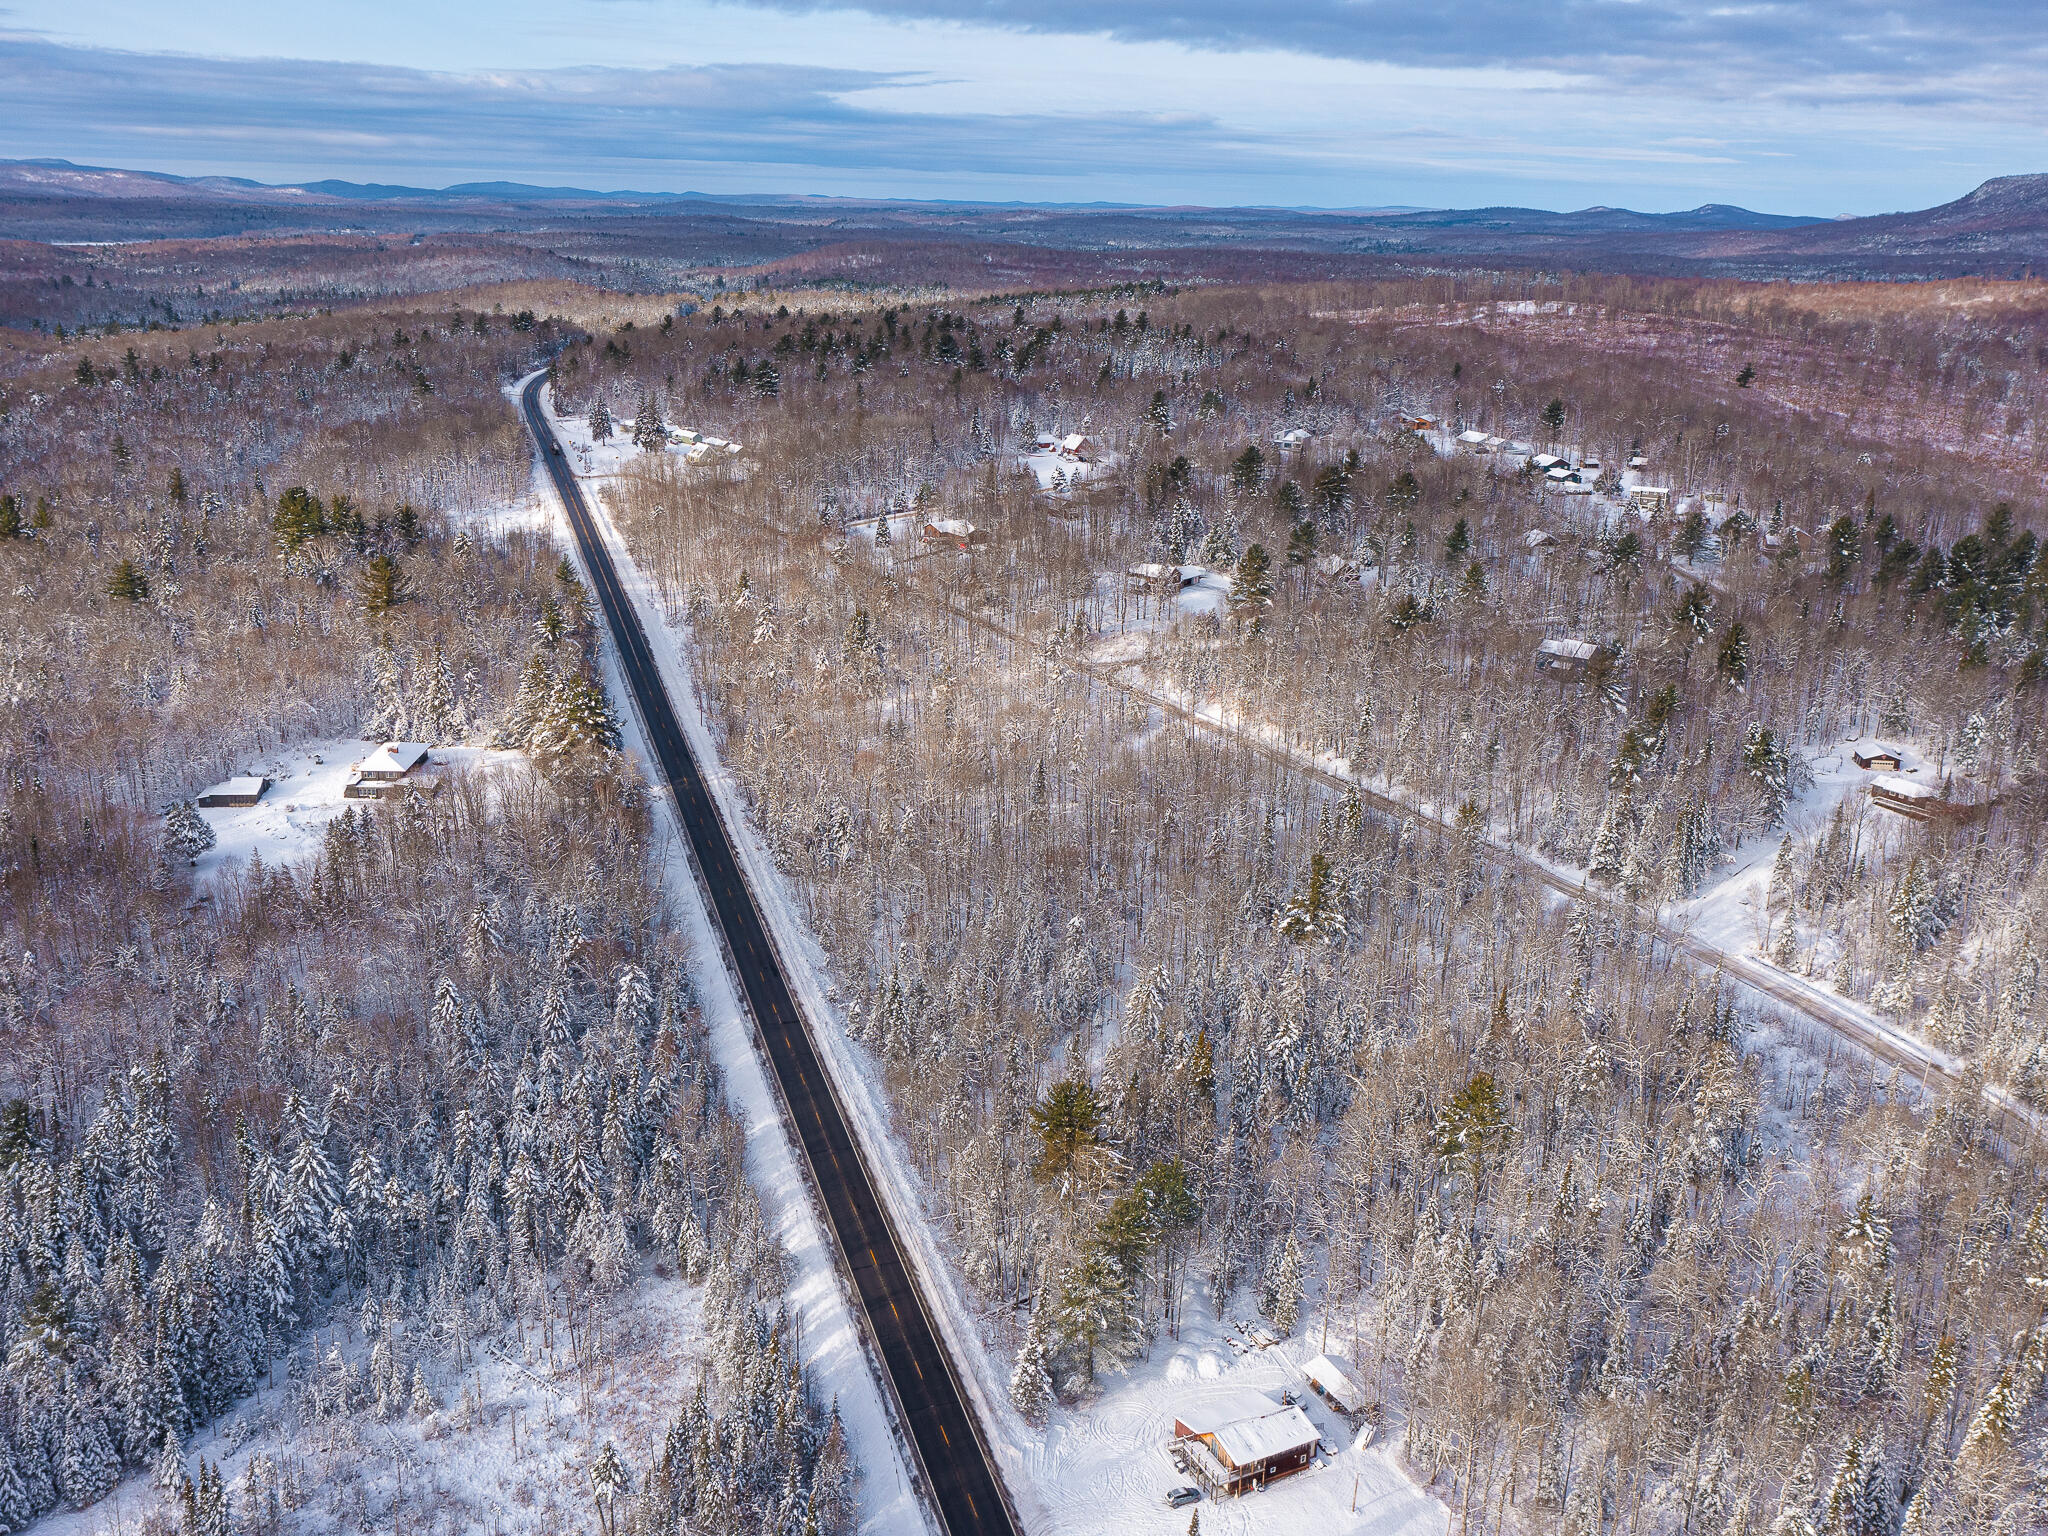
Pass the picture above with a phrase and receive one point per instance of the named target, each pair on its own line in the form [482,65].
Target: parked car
[1181,1497]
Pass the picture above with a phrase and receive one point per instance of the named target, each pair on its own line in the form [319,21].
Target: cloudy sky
[1797,106]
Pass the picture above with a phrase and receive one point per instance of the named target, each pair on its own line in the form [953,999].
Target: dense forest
[442,1081]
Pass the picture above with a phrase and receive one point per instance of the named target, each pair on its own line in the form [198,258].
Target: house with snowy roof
[1337,1382]
[1242,1440]
[388,768]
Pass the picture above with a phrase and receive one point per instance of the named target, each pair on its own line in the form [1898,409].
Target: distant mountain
[2000,228]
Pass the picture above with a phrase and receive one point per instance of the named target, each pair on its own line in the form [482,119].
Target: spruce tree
[127,584]
[1031,1381]
[186,834]
[1251,589]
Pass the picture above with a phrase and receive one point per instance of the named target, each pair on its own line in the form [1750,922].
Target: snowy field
[305,794]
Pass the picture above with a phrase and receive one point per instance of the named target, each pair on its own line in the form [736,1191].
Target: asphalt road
[961,1478]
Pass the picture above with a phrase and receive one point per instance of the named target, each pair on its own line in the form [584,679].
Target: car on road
[555,448]
[1180,1498]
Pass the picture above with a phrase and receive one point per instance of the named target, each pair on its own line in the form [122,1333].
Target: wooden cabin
[1241,1441]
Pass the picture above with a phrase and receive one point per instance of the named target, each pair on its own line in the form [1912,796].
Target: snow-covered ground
[1098,1467]
[1052,470]
[305,794]
[1130,619]
[1103,1465]
[1729,912]
[505,1447]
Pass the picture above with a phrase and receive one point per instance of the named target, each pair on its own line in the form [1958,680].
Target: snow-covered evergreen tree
[186,834]
[1031,1381]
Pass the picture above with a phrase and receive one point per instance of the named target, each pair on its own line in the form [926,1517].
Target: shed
[1243,1440]
[394,760]
[1337,1382]
[245,790]
[1566,658]
[1905,797]
[1884,759]
[1536,541]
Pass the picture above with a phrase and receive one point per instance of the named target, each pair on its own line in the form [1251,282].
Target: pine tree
[1795,1499]
[1283,1292]
[1251,588]
[1697,846]
[389,718]
[600,421]
[186,834]
[1313,914]
[858,647]
[16,1511]
[650,432]
[381,587]
[1031,1381]
[88,1468]
[127,584]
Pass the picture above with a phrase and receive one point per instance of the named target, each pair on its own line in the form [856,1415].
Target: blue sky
[1802,106]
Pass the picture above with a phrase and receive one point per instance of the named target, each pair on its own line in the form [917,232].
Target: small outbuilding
[1337,1382]
[1882,758]
[1243,1440]
[1536,541]
[245,790]
[1566,658]
[1475,441]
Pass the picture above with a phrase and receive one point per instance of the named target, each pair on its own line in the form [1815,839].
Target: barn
[1243,1440]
